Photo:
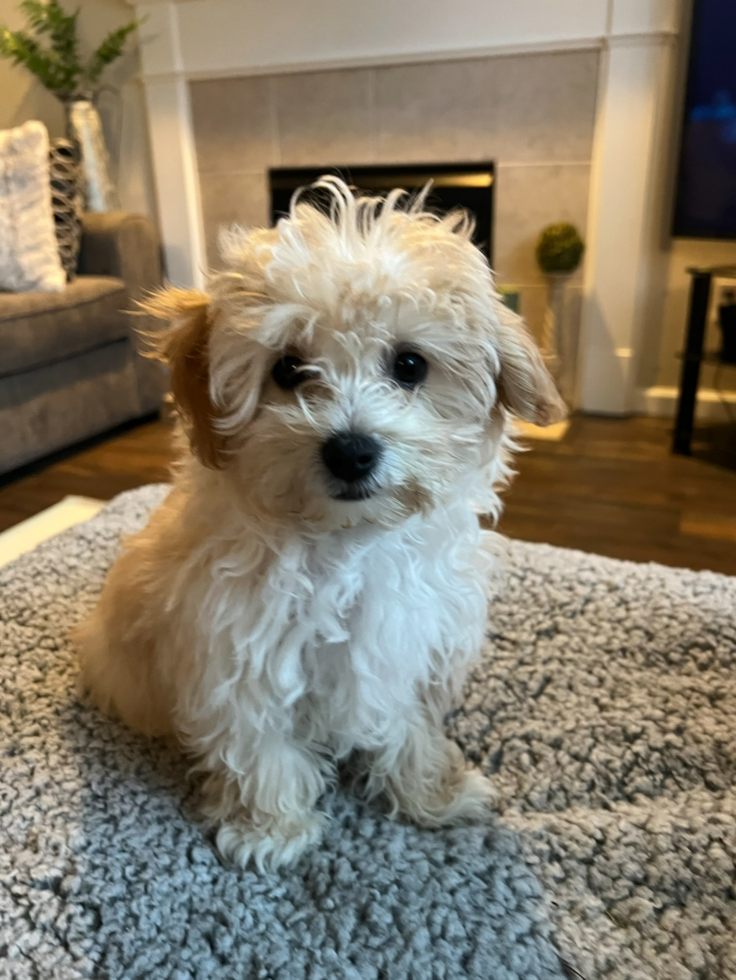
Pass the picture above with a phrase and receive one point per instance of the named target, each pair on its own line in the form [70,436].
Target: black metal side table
[693,355]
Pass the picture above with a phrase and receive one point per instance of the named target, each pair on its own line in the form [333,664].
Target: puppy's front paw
[465,797]
[472,802]
[269,846]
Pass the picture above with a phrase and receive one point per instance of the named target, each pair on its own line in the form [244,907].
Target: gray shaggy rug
[604,707]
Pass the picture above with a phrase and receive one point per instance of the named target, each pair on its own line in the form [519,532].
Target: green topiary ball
[560,248]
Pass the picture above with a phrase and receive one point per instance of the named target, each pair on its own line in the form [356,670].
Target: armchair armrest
[116,243]
[124,245]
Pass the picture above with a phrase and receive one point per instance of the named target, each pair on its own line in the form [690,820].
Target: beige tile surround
[532,114]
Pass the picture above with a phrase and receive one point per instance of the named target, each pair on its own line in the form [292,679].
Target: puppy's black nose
[351,456]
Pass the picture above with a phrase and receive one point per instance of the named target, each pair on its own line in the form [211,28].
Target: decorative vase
[85,128]
[558,343]
[66,201]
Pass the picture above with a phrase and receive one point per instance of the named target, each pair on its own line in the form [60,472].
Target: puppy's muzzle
[351,457]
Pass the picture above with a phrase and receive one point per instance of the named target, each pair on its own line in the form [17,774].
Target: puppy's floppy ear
[184,347]
[525,386]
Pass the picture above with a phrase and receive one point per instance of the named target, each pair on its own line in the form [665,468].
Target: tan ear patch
[525,385]
[184,347]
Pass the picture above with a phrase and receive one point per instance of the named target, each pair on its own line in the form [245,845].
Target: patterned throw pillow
[66,202]
[29,254]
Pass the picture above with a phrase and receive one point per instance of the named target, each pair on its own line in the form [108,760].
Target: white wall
[123,111]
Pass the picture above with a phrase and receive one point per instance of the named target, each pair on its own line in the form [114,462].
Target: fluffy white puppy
[313,588]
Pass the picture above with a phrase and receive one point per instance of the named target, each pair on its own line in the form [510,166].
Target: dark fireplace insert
[466,185]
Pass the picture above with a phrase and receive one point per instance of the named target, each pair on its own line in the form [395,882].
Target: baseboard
[25,536]
[661,401]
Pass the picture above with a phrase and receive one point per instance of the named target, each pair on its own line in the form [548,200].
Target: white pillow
[29,253]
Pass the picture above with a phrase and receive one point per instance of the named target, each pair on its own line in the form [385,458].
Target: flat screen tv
[705,203]
[466,185]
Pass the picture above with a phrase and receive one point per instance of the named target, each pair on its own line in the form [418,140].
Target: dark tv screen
[705,205]
[454,185]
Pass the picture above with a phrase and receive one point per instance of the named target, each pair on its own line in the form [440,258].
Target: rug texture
[604,707]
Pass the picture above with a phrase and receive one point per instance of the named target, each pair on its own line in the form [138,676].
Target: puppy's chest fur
[349,629]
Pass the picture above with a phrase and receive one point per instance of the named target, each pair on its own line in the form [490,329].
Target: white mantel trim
[466,54]
[246,36]
[379,61]
[216,38]
[634,40]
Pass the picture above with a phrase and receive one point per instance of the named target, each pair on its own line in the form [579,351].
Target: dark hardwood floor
[610,486]
[125,459]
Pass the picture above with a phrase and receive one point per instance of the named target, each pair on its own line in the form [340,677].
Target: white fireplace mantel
[219,38]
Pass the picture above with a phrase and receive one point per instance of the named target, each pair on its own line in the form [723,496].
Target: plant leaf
[57,65]
[110,49]
[36,13]
[23,49]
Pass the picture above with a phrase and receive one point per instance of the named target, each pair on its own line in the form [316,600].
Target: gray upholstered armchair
[70,362]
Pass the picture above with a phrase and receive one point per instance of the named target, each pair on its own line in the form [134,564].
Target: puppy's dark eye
[409,368]
[287,372]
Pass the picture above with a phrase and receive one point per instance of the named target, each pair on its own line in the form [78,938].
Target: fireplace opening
[466,185]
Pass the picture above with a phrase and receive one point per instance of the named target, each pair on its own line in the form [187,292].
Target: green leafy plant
[560,248]
[50,49]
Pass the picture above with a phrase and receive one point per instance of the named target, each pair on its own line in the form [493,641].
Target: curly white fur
[271,627]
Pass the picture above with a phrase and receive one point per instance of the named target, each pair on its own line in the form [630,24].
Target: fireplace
[466,185]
